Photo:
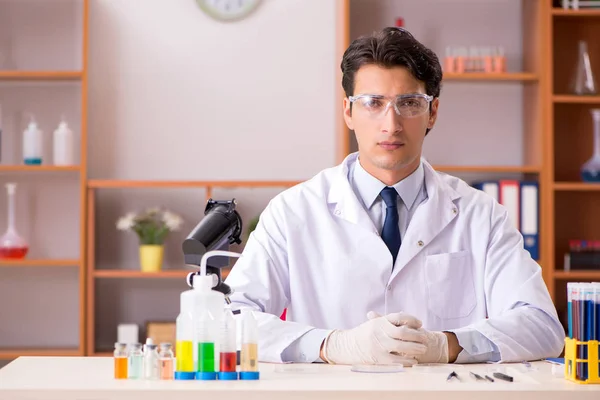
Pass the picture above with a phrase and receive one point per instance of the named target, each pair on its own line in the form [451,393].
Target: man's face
[386,140]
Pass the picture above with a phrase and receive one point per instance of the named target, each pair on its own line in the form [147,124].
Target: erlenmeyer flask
[583,82]
[12,245]
[590,171]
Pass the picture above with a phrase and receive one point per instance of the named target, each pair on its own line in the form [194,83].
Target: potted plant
[152,226]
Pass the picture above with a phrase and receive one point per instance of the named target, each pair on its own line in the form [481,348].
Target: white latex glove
[435,342]
[376,341]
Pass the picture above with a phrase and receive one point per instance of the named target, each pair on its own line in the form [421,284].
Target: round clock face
[228,10]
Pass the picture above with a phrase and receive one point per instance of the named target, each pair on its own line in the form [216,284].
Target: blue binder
[530,217]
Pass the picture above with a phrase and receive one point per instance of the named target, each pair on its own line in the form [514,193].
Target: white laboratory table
[82,378]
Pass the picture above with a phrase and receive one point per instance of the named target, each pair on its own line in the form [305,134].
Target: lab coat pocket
[450,284]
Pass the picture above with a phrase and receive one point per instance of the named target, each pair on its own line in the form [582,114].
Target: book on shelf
[521,199]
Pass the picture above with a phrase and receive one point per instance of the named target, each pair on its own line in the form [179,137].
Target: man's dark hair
[392,47]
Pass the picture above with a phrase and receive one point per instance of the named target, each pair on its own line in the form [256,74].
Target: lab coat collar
[429,220]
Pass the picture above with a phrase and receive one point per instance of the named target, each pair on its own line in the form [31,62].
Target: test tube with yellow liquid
[249,353]
[184,345]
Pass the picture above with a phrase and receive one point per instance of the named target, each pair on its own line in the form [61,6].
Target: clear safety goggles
[405,105]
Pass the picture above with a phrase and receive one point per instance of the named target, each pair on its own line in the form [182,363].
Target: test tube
[135,367]
[205,337]
[120,359]
[151,362]
[249,363]
[184,346]
[228,354]
[165,356]
[570,288]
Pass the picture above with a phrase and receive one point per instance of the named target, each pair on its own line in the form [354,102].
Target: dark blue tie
[391,226]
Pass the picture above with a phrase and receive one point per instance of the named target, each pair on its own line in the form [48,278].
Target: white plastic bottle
[63,145]
[32,144]
[211,302]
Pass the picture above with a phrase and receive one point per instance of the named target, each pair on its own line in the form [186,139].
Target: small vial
[135,367]
[165,356]
[249,362]
[151,362]
[228,354]
[205,338]
[120,357]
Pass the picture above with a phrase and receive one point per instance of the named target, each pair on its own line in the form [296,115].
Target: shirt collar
[369,187]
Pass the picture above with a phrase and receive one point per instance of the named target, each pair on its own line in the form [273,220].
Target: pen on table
[452,375]
[476,376]
[489,378]
[502,376]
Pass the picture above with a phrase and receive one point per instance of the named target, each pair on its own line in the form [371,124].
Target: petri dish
[377,369]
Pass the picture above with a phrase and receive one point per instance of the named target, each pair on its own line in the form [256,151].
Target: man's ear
[348,113]
[435,104]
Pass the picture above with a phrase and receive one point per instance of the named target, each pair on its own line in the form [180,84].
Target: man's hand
[442,347]
[394,338]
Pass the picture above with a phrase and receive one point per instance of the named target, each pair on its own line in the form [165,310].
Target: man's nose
[392,122]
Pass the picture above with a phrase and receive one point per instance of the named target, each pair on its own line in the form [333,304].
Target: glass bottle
[166,356]
[151,362]
[590,171]
[135,367]
[583,81]
[120,360]
[12,245]
[249,363]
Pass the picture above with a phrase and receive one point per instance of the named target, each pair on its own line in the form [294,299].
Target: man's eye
[372,103]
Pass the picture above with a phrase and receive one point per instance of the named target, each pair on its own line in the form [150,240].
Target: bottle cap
[203,282]
[185,376]
[206,376]
[228,376]
[249,376]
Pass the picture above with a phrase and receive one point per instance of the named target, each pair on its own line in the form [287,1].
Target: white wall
[177,95]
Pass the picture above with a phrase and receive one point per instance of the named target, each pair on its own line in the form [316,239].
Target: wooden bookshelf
[577,275]
[577,186]
[41,75]
[39,168]
[122,273]
[491,77]
[35,78]
[508,169]
[41,263]
[559,12]
[124,184]
[574,99]
[10,353]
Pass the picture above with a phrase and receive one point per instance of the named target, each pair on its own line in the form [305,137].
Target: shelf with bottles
[575,60]
[577,135]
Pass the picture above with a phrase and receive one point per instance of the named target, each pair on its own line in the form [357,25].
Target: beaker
[583,81]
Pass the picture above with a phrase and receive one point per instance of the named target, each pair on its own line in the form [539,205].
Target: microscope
[221,225]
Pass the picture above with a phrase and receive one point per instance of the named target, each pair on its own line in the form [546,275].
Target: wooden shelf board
[102,354]
[591,275]
[576,186]
[40,75]
[592,12]
[574,99]
[114,184]
[164,274]
[122,273]
[38,168]
[9,353]
[40,263]
[488,168]
[482,76]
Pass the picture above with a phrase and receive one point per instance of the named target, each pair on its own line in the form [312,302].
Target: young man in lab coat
[384,260]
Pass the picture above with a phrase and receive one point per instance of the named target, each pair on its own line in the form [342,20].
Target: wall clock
[228,10]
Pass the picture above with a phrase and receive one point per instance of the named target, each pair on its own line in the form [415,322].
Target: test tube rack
[571,360]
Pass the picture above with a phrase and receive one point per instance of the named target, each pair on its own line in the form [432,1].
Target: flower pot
[151,257]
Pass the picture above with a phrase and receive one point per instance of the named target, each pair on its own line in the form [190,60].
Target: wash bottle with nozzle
[211,301]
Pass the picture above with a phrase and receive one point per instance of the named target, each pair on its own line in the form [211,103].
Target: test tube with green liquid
[205,339]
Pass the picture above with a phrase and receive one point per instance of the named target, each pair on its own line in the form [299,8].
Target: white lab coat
[462,263]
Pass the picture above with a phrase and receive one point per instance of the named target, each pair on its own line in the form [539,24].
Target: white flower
[126,222]
[172,220]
